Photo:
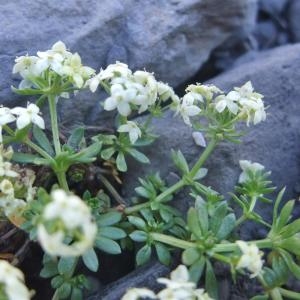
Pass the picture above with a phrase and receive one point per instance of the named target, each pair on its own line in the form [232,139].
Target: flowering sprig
[70,225]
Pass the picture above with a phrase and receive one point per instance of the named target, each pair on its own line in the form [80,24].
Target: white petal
[23,120]
[124,109]
[39,121]
[110,104]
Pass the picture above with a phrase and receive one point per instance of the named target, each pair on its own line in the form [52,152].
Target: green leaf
[66,265]
[49,269]
[139,156]
[57,281]
[291,229]
[276,205]
[163,254]
[141,191]
[139,236]
[27,92]
[227,225]
[64,291]
[90,260]
[75,138]
[294,268]
[121,163]
[196,269]
[211,284]
[218,216]
[109,219]
[285,215]
[87,154]
[292,244]
[76,294]
[42,140]
[108,153]
[113,233]
[26,158]
[200,174]
[138,222]
[201,207]
[193,223]
[107,245]
[260,297]
[190,256]
[180,161]
[143,255]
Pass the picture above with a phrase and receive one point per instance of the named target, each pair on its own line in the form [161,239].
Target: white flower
[75,217]
[192,97]
[206,91]
[133,130]
[250,259]
[115,70]
[60,48]
[6,169]
[246,166]
[49,59]
[12,283]
[229,101]
[187,109]
[253,110]
[120,99]
[199,139]
[6,117]
[28,115]
[165,92]
[26,66]
[138,293]
[74,68]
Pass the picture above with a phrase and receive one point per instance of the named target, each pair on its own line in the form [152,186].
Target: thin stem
[111,189]
[289,294]
[39,150]
[54,125]
[62,180]
[276,295]
[208,150]
[244,217]
[172,241]
[221,258]
[230,247]
[179,184]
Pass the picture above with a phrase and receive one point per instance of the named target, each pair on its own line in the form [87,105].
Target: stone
[293,12]
[171,38]
[273,7]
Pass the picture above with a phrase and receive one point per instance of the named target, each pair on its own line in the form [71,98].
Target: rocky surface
[171,38]
[293,18]
[274,143]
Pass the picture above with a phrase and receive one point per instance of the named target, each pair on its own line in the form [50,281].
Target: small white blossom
[250,259]
[28,115]
[229,101]
[253,110]
[12,281]
[138,293]
[187,109]
[165,92]
[206,91]
[75,216]
[133,130]
[120,99]
[246,166]
[74,68]
[49,59]
[199,139]
[26,66]
[6,117]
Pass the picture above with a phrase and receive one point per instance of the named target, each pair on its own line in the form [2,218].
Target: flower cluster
[250,259]
[244,102]
[23,117]
[59,60]
[178,287]
[67,228]
[130,91]
[247,166]
[16,184]
[12,285]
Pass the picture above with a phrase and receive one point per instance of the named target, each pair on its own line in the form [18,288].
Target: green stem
[244,217]
[230,247]
[204,156]
[179,184]
[289,294]
[276,295]
[62,180]
[221,258]
[172,241]
[39,150]
[54,125]
[111,189]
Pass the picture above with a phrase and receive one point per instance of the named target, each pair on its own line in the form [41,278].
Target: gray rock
[171,38]
[293,19]
[273,7]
